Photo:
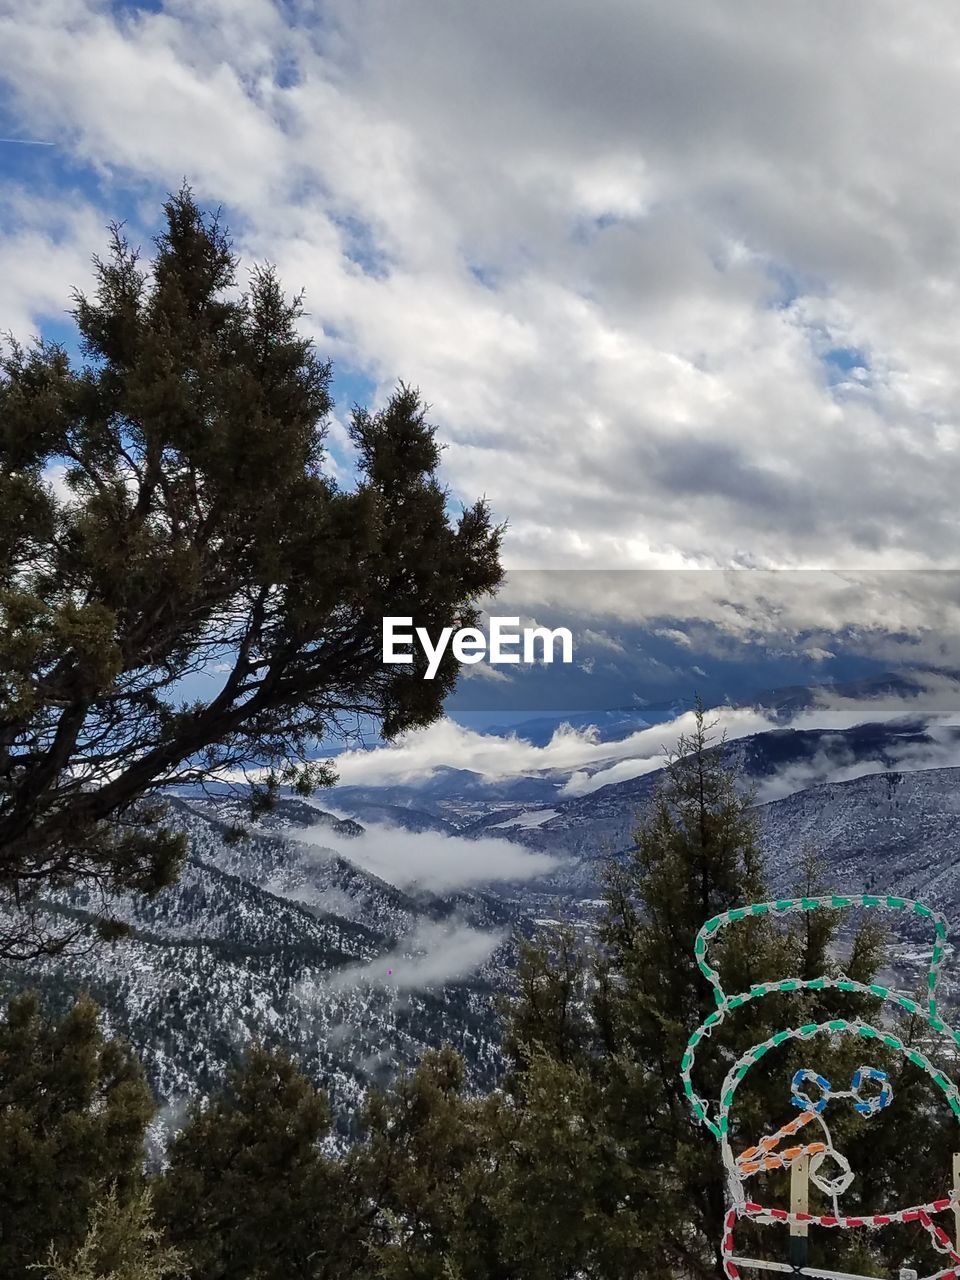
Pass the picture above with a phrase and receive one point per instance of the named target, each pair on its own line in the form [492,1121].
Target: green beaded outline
[726,1003]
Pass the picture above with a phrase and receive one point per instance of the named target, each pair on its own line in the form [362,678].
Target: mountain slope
[584,830]
[895,831]
[266,938]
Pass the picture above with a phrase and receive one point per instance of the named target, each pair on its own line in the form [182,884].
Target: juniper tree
[74,1108]
[248,1192]
[122,1243]
[200,534]
[430,1168]
[547,1013]
[571,1204]
[619,1019]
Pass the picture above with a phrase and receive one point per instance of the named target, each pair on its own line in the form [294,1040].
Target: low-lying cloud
[431,859]
[583,763]
[418,755]
[836,763]
[434,953]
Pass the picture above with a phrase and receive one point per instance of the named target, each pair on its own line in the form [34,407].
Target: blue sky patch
[841,361]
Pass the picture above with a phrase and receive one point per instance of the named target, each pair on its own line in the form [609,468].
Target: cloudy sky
[581,761]
[680,282]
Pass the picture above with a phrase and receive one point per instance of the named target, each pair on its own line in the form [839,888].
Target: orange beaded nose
[765,1156]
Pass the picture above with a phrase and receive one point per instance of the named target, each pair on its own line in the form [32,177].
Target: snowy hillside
[270,939]
[279,936]
[896,831]
[584,830]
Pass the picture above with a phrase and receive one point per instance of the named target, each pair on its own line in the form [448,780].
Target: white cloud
[45,248]
[895,617]
[835,763]
[934,696]
[433,953]
[56,478]
[485,672]
[598,639]
[431,859]
[582,763]
[419,753]
[614,244]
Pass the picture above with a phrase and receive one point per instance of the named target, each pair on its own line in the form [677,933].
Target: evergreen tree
[430,1180]
[572,1200]
[659,1206]
[249,1193]
[568,1194]
[73,1114]
[121,1244]
[547,1016]
[201,532]
[494,1188]
[468,1188]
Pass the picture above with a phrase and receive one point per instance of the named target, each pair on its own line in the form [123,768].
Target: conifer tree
[249,1193]
[568,1199]
[122,1243]
[547,1015]
[467,1188]
[201,532]
[697,853]
[430,1179]
[73,1114]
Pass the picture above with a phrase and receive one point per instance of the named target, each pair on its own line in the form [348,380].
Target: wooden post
[956,1192]
[799,1203]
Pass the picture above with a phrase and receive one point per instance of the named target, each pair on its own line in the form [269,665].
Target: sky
[680,283]
[695,267]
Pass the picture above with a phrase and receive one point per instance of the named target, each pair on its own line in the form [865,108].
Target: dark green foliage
[494,1188]
[574,1200]
[201,529]
[249,1193]
[73,1111]
[596,1042]
[430,1167]
[549,1016]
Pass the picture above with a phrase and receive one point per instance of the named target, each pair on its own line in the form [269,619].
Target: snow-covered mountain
[584,830]
[278,936]
[893,831]
[289,943]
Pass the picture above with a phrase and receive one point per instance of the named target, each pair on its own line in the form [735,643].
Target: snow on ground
[528,818]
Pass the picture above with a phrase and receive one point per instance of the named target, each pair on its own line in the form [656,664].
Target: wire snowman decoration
[765,1155]
[869,1090]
